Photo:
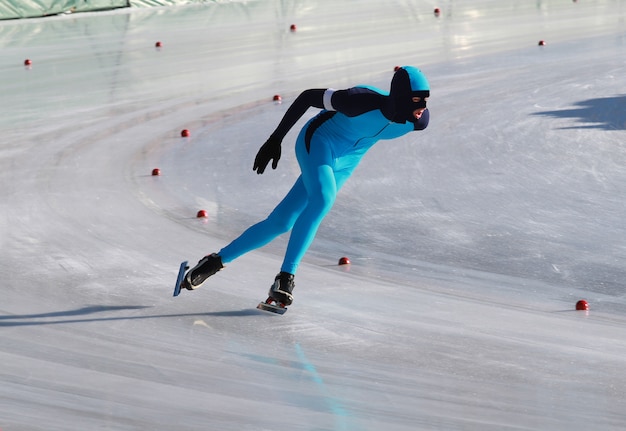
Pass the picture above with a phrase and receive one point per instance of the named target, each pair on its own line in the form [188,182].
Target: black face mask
[402,95]
[423,95]
[405,105]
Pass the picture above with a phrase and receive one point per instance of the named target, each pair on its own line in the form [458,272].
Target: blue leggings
[302,209]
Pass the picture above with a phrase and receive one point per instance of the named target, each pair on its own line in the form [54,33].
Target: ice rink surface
[470,242]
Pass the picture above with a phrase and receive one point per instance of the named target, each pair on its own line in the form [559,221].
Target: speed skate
[181,275]
[272,306]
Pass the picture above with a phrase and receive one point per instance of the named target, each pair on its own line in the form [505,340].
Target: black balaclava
[408,82]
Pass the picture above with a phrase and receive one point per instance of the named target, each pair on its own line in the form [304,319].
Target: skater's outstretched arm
[271,148]
[306,99]
[351,102]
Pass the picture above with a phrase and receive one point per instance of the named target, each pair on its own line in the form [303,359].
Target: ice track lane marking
[339,413]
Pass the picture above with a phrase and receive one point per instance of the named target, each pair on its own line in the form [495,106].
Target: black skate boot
[207,266]
[282,288]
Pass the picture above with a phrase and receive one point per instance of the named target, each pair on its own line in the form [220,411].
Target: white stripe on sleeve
[328,94]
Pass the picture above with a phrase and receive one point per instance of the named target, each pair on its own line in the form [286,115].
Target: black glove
[270,150]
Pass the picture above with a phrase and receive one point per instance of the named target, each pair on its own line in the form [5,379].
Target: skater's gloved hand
[270,150]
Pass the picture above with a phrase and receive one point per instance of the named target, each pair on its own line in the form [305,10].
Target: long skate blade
[179,279]
[276,309]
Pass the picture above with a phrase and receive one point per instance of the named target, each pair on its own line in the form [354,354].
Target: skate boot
[207,266]
[282,288]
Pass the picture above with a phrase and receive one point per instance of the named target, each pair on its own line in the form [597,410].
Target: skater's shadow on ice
[60,317]
[78,312]
[235,313]
[606,113]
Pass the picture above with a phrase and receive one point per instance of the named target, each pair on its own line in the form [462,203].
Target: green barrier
[151,3]
[12,9]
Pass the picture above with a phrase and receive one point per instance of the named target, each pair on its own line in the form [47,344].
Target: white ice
[470,242]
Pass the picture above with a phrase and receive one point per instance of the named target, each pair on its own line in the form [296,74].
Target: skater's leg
[322,177]
[280,220]
[322,191]
[320,183]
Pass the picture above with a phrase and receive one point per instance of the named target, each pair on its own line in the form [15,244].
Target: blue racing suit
[328,149]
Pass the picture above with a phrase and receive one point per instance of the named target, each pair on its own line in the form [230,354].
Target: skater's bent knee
[279,225]
[322,201]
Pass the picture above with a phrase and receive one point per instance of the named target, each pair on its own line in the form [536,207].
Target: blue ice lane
[316,397]
[334,405]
